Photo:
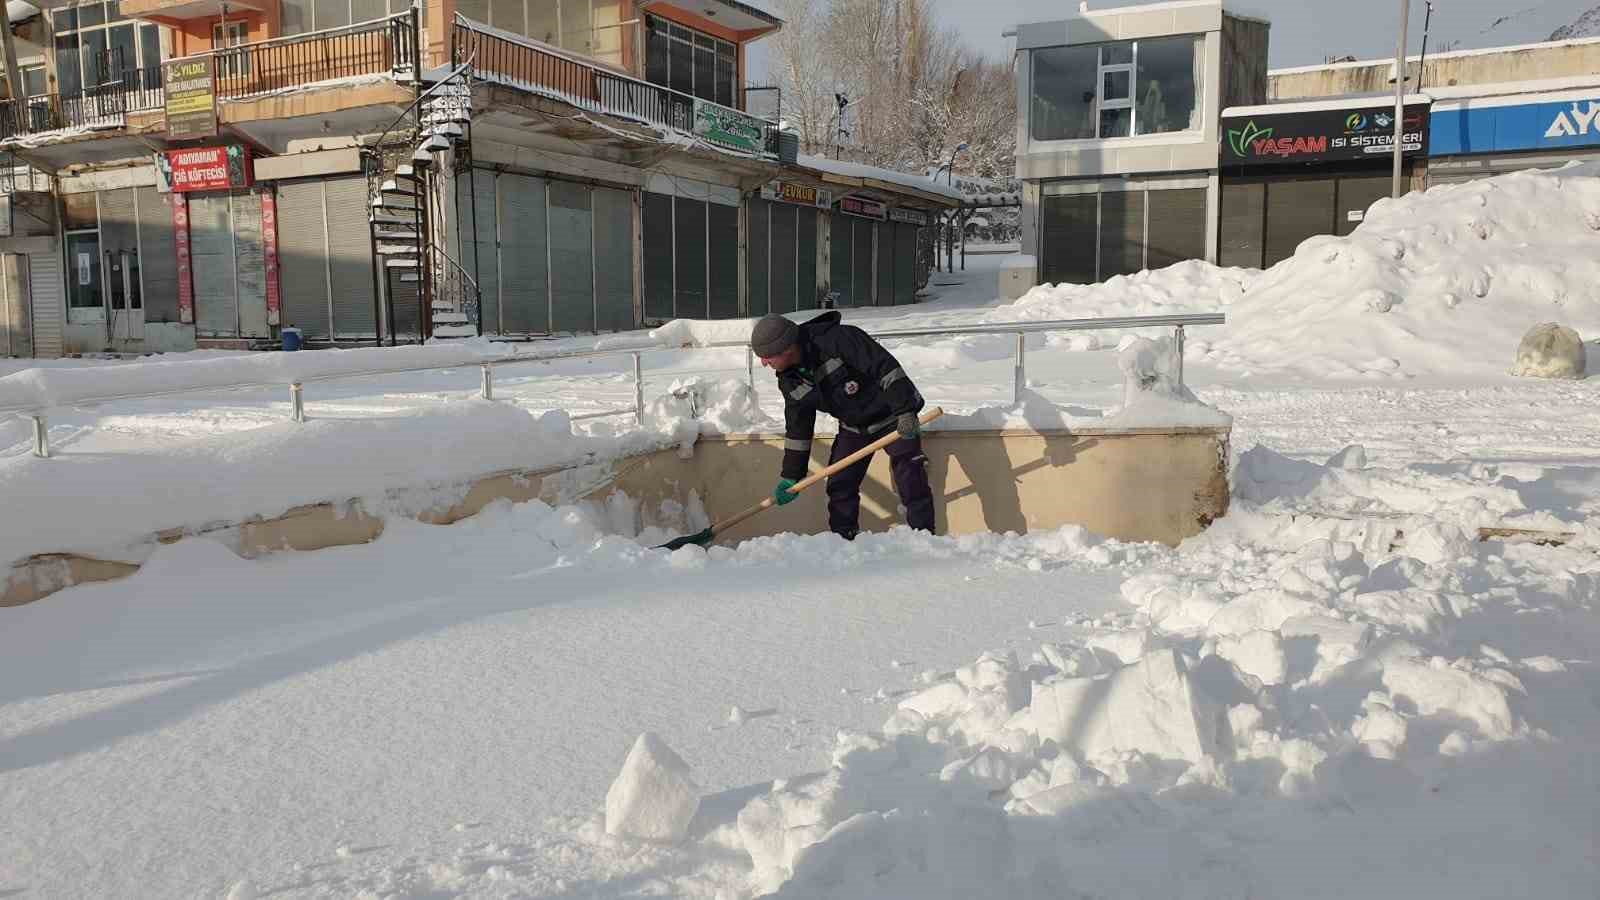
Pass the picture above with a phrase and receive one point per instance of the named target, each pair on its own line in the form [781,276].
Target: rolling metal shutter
[350,261]
[1297,209]
[1244,222]
[1177,226]
[689,259]
[759,256]
[905,263]
[784,269]
[861,262]
[524,254]
[658,256]
[119,233]
[1067,237]
[1121,233]
[806,258]
[158,256]
[841,246]
[1356,194]
[722,257]
[212,253]
[476,229]
[49,302]
[613,259]
[571,229]
[303,259]
[251,261]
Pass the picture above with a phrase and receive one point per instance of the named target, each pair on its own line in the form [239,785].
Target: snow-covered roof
[1516,93]
[1452,54]
[1349,101]
[887,176]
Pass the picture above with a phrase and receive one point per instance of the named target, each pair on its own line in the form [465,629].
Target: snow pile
[1442,282]
[654,797]
[1312,684]
[720,406]
[1152,394]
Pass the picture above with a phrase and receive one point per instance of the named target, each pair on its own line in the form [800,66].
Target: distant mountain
[1586,25]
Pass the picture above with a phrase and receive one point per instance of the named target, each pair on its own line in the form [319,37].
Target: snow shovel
[704,538]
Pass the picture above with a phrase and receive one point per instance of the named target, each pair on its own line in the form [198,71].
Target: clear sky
[1304,32]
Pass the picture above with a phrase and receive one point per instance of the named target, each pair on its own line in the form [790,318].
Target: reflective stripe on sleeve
[800,392]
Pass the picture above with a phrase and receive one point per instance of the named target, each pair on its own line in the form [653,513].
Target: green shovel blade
[700,537]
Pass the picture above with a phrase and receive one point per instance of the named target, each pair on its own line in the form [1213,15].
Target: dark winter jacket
[847,374]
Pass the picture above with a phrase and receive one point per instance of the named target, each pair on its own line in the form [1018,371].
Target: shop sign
[180,235]
[909,216]
[1524,126]
[729,127]
[861,206]
[191,98]
[803,194]
[269,253]
[206,168]
[1330,135]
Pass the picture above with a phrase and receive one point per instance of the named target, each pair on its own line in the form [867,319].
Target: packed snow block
[1017,275]
[1151,706]
[1550,350]
[1436,688]
[654,797]
[1258,654]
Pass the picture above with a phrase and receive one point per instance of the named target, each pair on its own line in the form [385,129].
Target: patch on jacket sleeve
[851,387]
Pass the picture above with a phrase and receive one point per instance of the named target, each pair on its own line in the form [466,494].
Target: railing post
[41,436]
[488,381]
[297,401]
[1177,350]
[638,387]
[1019,380]
[750,366]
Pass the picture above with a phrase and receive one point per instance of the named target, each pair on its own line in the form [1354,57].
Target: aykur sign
[1330,135]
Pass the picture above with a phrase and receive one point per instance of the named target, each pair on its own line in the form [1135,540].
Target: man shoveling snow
[827,366]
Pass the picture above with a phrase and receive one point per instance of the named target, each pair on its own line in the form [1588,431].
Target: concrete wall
[1561,59]
[1146,485]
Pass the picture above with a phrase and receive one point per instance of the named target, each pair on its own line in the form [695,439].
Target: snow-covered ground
[1335,691]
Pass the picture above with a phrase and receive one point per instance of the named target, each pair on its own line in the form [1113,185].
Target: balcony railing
[380,47]
[105,105]
[538,68]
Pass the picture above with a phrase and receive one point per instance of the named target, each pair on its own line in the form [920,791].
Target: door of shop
[16,313]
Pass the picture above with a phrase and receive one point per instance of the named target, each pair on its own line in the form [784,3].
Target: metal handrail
[296,388]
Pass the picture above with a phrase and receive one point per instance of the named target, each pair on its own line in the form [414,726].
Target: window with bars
[230,34]
[1116,90]
[97,48]
[690,62]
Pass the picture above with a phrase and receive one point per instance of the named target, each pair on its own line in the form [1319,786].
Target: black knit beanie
[772,335]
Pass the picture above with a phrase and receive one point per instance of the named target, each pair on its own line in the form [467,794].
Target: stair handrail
[458,70]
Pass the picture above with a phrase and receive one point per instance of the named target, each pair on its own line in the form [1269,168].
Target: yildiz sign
[1328,135]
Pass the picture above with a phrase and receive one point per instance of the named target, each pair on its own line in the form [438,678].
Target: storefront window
[592,28]
[301,16]
[1166,78]
[1115,90]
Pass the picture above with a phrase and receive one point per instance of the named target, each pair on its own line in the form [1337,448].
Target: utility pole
[1400,96]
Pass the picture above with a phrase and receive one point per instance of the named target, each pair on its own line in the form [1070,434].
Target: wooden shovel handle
[808,481]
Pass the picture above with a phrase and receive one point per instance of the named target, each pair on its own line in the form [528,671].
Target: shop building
[1291,171]
[366,173]
[1117,142]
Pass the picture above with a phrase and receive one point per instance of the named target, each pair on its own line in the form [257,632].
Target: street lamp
[950,167]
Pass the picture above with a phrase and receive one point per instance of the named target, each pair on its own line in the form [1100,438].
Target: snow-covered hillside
[1584,26]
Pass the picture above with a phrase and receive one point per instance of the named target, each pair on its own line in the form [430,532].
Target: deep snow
[1336,690]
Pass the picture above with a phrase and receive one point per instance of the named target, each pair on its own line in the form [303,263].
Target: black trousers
[907,463]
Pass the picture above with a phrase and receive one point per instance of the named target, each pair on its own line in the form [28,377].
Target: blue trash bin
[291,338]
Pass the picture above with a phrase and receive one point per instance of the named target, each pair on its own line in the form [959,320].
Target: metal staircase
[427,293]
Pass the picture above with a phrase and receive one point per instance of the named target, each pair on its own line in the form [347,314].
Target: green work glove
[908,426]
[781,492]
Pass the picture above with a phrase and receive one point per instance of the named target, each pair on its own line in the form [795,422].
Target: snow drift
[1441,282]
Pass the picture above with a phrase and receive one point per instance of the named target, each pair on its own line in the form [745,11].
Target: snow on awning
[19,11]
[908,180]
